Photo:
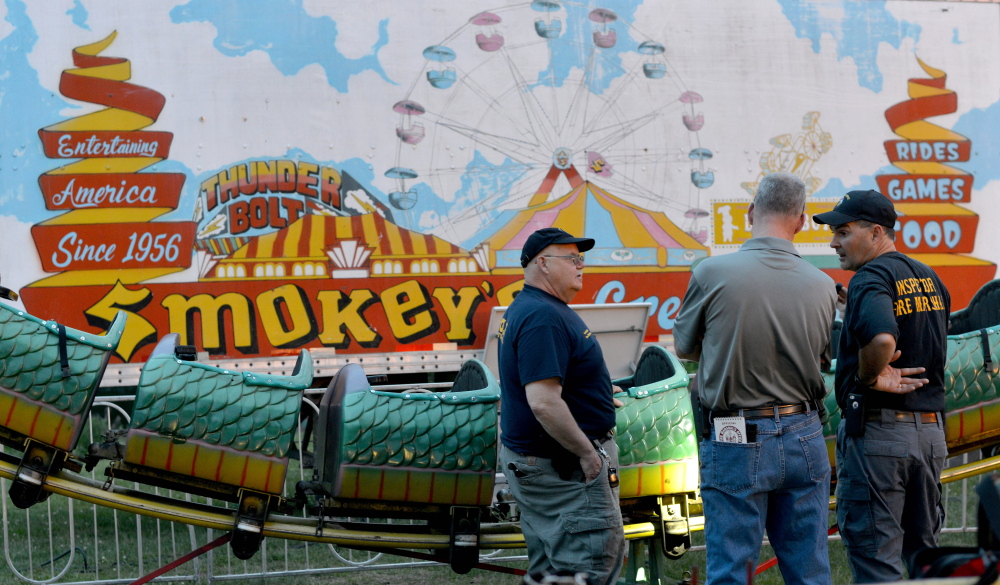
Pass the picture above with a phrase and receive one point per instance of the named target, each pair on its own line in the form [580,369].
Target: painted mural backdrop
[264,175]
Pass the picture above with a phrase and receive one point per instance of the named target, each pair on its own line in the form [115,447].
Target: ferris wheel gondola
[402,198]
[693,226]
[548,27]
[653,68]
[409,131]
[491,121]
[691,120]
[605,37]
[491,40]
[442,77]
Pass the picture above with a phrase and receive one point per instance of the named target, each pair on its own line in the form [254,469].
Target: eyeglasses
[576,259]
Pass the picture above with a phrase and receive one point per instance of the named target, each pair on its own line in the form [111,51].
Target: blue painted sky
[974,124]
[480,180]
[835,188]
[570,52]
[980,125]
[864,26]
[25,106]
[572,49]
[79,14]
[242,28]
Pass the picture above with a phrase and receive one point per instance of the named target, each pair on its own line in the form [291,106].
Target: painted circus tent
[360,180]
[635,238]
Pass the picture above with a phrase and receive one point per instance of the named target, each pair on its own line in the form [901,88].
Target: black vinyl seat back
[299,363]
[654,365]
[167,344]
[983,311]
[350,379]
[7,294]
[472,376]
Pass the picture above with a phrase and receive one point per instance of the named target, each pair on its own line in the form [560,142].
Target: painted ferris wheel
[524,91]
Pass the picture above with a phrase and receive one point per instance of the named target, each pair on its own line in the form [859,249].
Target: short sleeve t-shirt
[541,337]
[903,297]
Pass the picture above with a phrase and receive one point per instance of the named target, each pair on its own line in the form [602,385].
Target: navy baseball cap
[545,237]
[867,205]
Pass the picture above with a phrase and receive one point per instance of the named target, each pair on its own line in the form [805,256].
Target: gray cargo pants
[889,494]
[567,525]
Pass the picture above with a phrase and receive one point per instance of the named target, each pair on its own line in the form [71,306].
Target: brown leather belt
[768,411]
[904,416]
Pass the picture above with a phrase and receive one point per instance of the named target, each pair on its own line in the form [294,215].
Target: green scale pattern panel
[188,402]
[655,428]
[966,379]
[29,363]
[967,382]
[394,431]
[832,410]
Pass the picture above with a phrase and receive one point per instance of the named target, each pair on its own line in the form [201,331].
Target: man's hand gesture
[897,380]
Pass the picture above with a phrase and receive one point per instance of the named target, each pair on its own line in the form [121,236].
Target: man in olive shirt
[758,321]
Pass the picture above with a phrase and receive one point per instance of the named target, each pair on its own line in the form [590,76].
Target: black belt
[904,416]
[606,436]
[768,411]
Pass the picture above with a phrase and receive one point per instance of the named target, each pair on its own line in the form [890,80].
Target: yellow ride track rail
[277,526]
[295,528]
[958,473]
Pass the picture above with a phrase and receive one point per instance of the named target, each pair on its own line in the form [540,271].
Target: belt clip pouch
[751,433]
[854,415]
[702,420]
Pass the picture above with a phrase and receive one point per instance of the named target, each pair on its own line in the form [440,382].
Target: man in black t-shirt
[558,417]
[890,444]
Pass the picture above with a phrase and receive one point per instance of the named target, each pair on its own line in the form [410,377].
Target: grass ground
[114,555]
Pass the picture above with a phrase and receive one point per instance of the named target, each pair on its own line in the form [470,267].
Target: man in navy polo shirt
[558,416]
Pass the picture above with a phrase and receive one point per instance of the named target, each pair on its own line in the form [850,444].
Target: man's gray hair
[781,194]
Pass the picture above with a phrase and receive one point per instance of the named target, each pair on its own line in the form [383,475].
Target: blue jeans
[780,483]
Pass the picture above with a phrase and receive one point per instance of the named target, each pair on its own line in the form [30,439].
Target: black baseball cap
[545,237]
[867,205]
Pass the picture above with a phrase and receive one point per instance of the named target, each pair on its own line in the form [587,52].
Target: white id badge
[730,429]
